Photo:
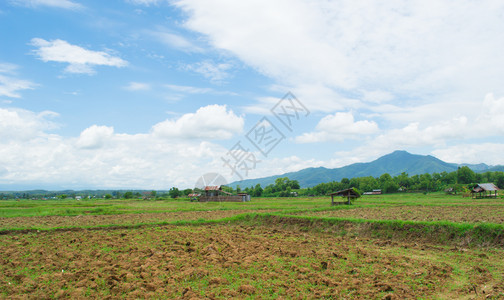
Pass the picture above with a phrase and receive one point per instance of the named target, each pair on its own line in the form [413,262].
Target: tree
[174,192]
[465,175]
[499,179]
[107,196]
[257,190]
[128,195]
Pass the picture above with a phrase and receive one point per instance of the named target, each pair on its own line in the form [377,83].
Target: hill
[394,163]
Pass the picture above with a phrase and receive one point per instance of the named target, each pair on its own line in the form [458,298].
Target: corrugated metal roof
[488,187]
[212,188]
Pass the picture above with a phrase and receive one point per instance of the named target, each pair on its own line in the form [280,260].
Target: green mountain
[394,163]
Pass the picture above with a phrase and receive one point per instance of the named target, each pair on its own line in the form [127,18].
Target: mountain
[394,163]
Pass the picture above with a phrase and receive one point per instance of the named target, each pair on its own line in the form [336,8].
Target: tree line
[461,180]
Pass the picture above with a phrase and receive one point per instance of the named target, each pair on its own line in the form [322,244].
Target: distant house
[78,198]
[485,190]
[348,193]
[217,194]
[374,192]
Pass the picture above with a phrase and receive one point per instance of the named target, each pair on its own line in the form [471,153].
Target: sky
[152,94]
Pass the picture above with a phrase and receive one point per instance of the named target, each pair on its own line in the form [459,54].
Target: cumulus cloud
[339,127]
[100,157]
[95,137]
[66,4]
[448,136]
[24,125]
[209,122]
[80,60]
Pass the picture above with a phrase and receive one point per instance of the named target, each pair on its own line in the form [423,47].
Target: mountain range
[394,163]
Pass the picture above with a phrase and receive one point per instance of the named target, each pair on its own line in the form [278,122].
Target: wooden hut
[485,190]
[216,194]
[348,193]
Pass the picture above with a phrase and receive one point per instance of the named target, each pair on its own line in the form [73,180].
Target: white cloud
[66,4]
[189,89]
[24,125]
[490,153]
[138,86]
[80,60]
[483,120]
[9,86]
[209,122]
[339,127]
[95,137]
[423,51]
[145,2]
[100,157]
[173,40]
[481,124]
[216,72]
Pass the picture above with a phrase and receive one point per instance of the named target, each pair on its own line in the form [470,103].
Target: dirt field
[461,214]
[237,261]
[125,219]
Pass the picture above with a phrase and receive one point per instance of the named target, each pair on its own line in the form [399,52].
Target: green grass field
[398,246]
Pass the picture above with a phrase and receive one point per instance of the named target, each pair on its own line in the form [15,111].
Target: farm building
[484,190]
[216,194]
[374,192]
[348,193]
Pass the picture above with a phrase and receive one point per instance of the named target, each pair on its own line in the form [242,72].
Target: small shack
[217,194]
[245,197]
[484,190]
[194,197]
[348,193]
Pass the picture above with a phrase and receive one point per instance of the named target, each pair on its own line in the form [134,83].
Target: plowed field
[238,261]
[124,219]
[459,214]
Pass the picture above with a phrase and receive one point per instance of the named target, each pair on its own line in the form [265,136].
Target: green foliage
[107,196]
[174,192]
[465,175]
[128,195]
[499,179]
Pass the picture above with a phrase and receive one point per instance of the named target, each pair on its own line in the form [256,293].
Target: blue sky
[154,93]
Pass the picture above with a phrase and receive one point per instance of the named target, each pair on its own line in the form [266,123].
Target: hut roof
[212,188]
[346,193]
[194,195]
[485,187]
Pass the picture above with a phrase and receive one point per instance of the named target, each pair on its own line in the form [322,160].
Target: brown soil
[465,214]
[233,261]
[126,219]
